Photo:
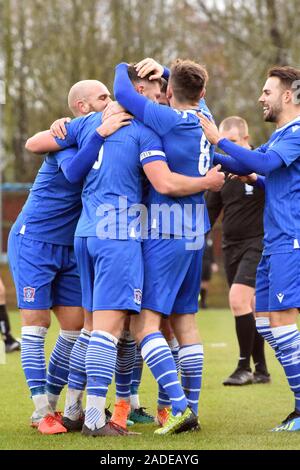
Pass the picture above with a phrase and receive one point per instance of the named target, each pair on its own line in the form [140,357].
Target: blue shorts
[278,282]
[172,276]
[45,274]
[111,273]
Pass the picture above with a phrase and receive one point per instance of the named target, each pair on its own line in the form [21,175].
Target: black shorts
[241,260]
[206,270]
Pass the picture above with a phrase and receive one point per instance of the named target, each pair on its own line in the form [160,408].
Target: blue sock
[137,372]
[124,366]
[136,379]
[33,358]
[77,373]
[288,342]
[58,368]
[163,400]
[191,365]
[264,329]
[174,346]
[100,367]
[158,357]
[100,362]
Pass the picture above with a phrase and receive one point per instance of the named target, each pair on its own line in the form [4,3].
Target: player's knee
[144,324]
[283,318]
[167,329]
[71,324]
[185,328]
[88,321]
[36,320]
[238,304]
[136,329]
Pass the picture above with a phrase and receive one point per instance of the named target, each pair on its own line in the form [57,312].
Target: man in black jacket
[242,225]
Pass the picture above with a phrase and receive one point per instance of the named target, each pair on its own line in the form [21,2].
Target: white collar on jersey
[297,119]
[192,111]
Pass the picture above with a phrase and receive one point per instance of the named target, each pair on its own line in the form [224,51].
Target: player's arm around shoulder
[60,135]
[42,142]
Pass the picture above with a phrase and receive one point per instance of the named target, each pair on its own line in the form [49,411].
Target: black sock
[203,296]
[245,330]
[4,323]
[258,354]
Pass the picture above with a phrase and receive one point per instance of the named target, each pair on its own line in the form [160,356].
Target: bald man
[242,225]
[43,264]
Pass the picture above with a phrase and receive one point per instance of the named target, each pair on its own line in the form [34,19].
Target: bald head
[87,96]
[235,128]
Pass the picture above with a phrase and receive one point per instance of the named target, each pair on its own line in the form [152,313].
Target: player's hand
[249,179]
[215,179]
[58,128]
[149,65]
[113,123]
[112,108]
[210,129]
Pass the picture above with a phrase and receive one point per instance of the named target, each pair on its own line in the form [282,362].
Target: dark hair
[188,80]
[133,75]
[164,85]
[287,75]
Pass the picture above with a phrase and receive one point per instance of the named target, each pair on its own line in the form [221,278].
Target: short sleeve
[151,148]
[73,129]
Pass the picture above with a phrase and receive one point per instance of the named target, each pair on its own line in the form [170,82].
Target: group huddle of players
[111,239]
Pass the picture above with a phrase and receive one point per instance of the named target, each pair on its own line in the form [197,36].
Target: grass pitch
[231,418]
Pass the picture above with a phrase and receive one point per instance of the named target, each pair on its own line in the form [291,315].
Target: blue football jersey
[282,186]
[113,189]
[53,207]
[189,153]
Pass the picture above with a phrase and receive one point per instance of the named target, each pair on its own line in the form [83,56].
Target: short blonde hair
[235,121]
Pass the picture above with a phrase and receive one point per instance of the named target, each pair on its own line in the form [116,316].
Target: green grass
[231,418]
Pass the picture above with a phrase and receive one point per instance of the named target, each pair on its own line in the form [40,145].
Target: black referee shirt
[243,210]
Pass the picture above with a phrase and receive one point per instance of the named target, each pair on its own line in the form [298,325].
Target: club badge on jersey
[29,294]
[137,295]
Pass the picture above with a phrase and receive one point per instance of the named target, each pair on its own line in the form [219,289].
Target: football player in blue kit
[107,241]
[172,267]
[277,279]
[42,260]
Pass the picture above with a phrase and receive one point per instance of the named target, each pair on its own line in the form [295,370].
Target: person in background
[242,225]
[11,344]
[209,266]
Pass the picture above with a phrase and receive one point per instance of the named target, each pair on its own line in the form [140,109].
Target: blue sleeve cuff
[260,182]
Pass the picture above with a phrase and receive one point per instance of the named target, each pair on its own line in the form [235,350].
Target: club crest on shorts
[137,296]
[29,294]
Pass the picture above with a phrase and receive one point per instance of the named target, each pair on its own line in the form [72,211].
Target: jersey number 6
[204,158]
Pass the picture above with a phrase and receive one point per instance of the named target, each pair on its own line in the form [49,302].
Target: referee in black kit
[242,226]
